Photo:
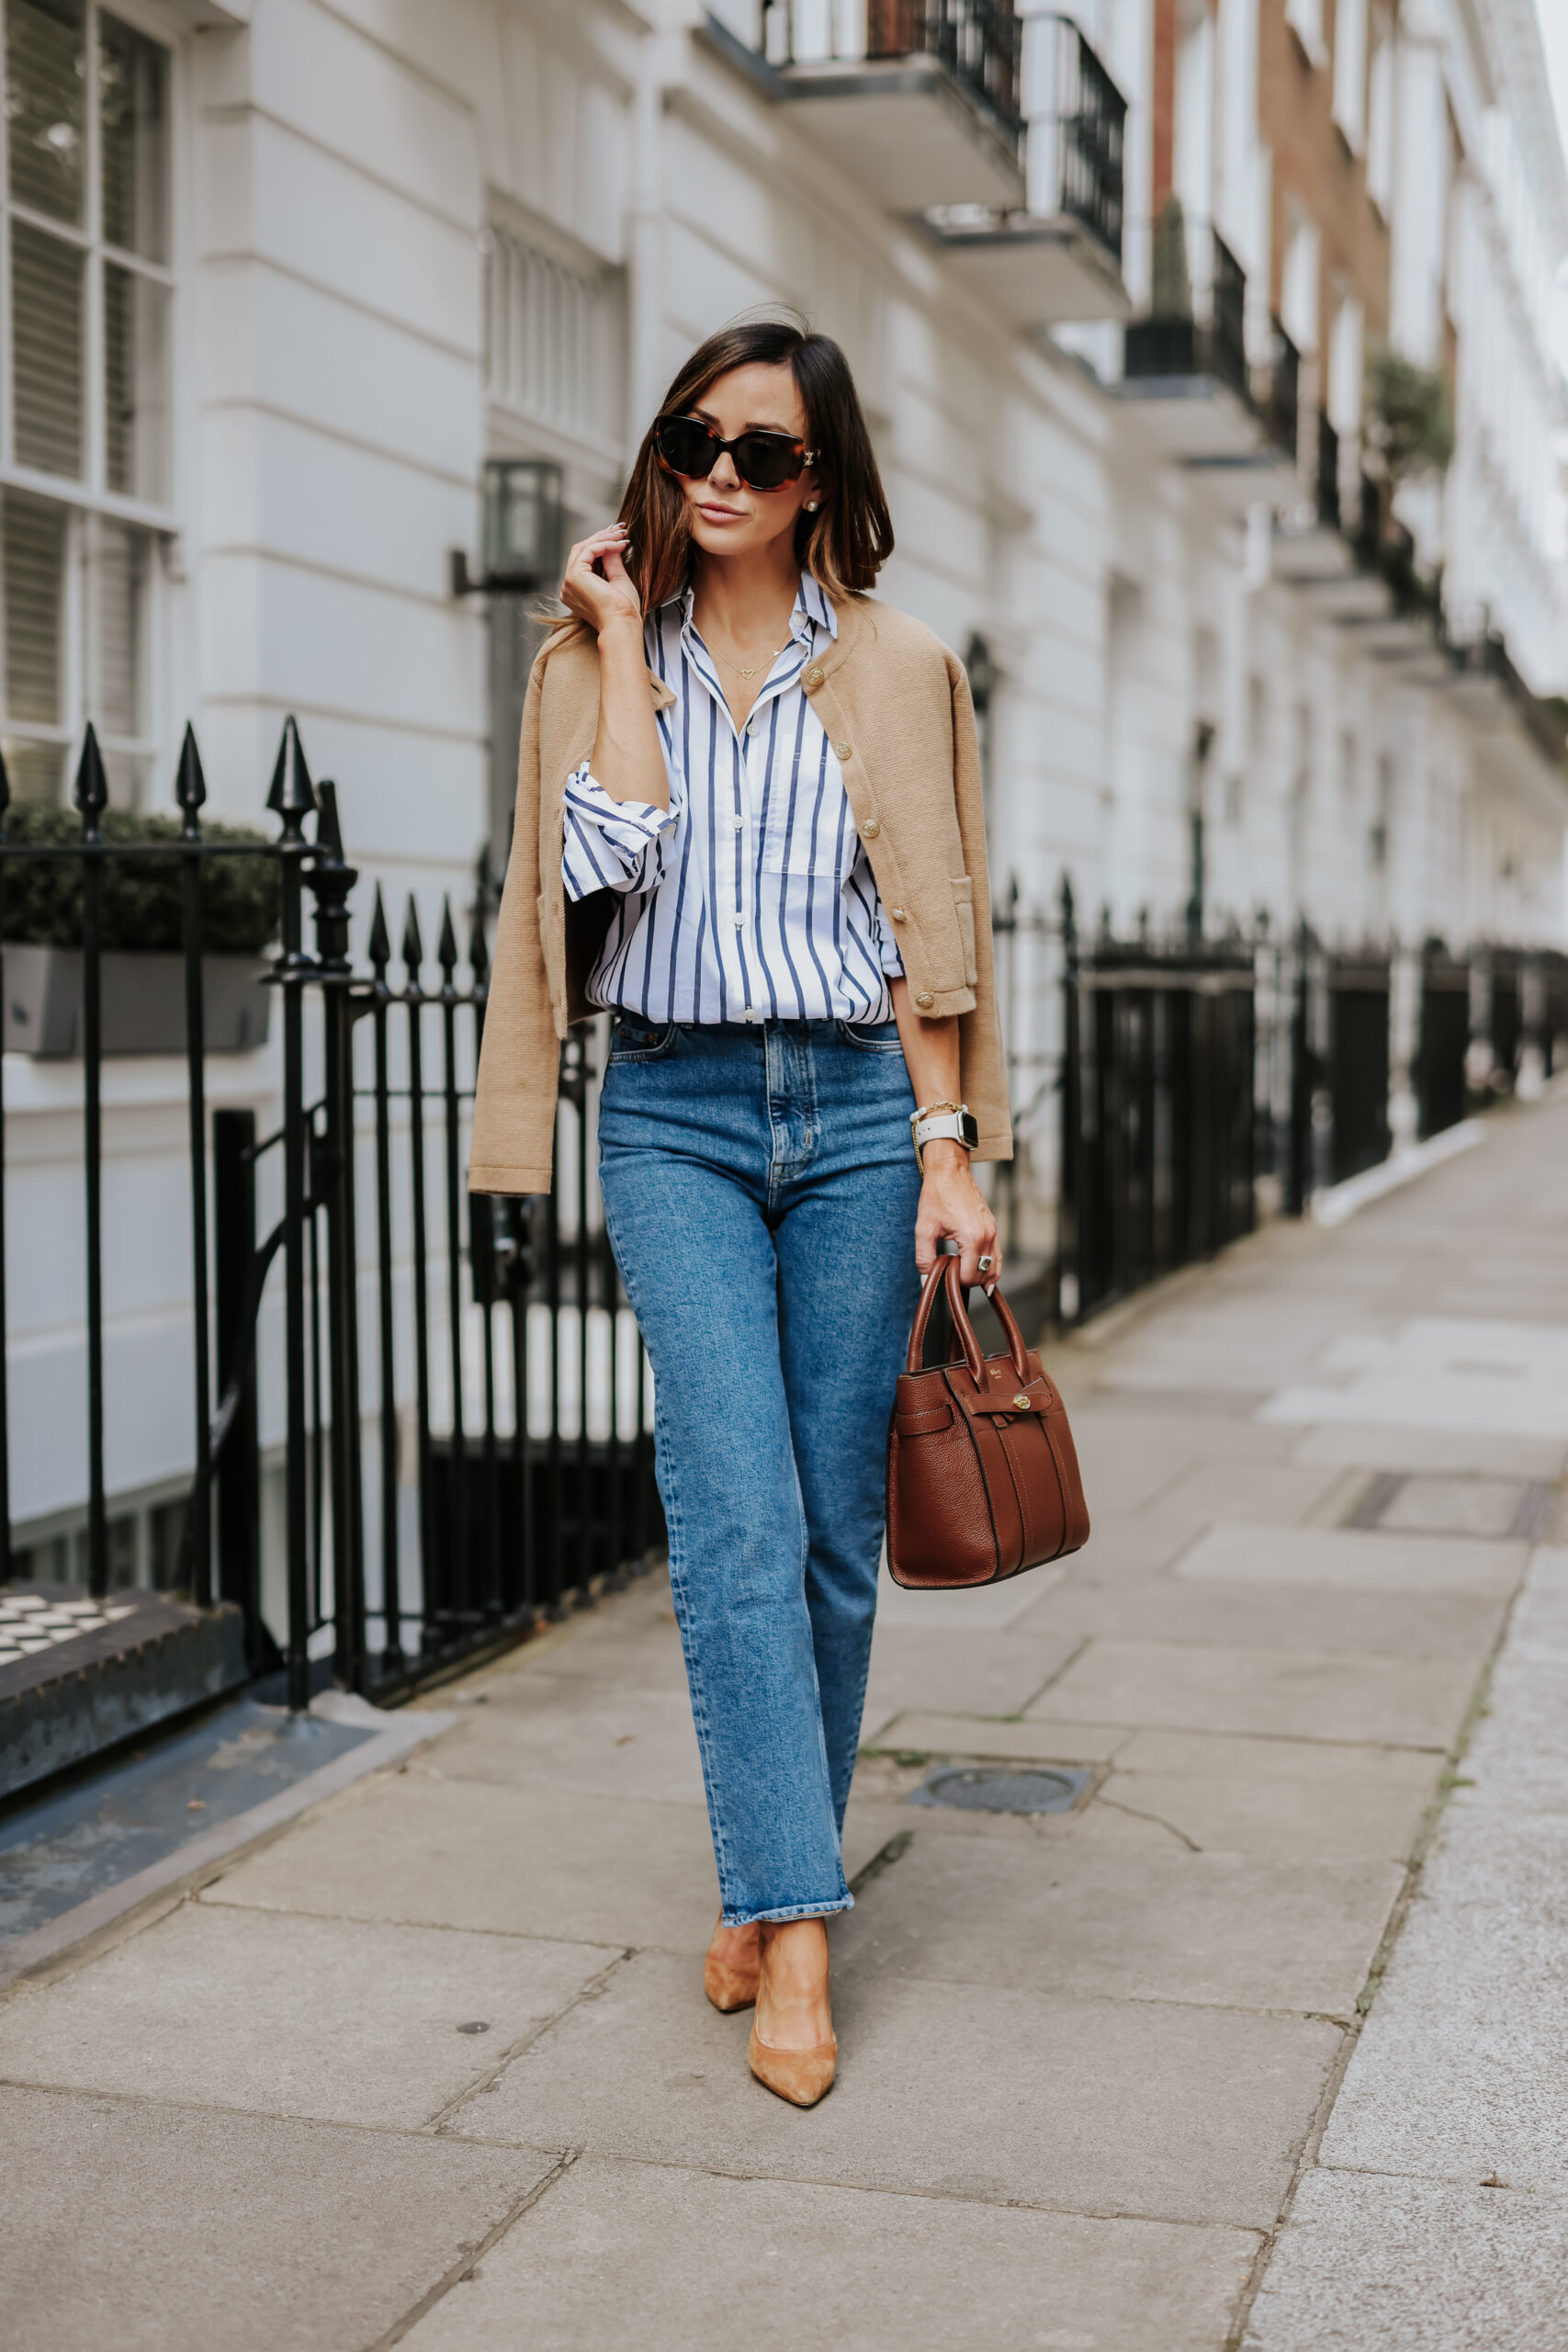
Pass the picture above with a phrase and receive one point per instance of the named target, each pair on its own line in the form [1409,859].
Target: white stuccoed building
[280,278]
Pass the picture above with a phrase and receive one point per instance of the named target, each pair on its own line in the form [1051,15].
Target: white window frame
[1351,37]
[1380,113]
[1305,19]
[88,497]
[601,317]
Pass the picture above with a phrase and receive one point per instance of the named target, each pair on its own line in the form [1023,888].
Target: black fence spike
[329,830]
[446,945]
[5,791]
[292,796]
[190,785]
[413,946]
[479,946]
[380,945]
[91,791]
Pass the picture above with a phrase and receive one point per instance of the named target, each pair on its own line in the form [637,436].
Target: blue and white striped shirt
[750,897]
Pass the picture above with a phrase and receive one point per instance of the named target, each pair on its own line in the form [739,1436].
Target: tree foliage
[1410,419]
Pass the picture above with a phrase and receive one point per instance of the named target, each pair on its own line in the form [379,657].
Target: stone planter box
[143,999]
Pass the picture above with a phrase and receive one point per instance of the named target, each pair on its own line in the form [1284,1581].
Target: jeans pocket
[871,1036]
[639,1041]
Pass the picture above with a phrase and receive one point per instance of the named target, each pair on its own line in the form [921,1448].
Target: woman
[748,824]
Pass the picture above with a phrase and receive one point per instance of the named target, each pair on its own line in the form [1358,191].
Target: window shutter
[46,350]
[46,80]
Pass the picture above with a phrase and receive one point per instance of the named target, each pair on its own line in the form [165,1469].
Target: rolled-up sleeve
[611,844]
[887,953]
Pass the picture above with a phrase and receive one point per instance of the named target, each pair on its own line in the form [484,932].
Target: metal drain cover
[979,1788]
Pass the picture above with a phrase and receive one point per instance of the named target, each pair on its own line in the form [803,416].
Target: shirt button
[924,999]
[840,751]
[738,921]
[739,823]
[900,914]
[750,1015]
[870,830]
[814,675]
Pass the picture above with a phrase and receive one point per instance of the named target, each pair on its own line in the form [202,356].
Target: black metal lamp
[984,675]
[524,530]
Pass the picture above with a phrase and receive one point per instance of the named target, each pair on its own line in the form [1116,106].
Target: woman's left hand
[953,1208]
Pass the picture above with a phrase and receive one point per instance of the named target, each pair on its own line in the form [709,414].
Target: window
[553,337]
[84,458]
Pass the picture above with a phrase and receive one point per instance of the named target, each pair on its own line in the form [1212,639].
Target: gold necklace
[742,672]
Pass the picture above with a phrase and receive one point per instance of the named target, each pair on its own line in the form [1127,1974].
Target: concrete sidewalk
[435,2065]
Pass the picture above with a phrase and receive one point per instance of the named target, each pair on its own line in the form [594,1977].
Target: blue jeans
[760,1192]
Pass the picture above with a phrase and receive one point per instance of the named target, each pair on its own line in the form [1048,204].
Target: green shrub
[143,897]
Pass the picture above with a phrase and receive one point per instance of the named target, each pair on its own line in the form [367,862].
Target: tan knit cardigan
[895,705]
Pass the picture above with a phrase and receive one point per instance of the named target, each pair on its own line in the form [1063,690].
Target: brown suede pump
[730,1988]
[802,2076]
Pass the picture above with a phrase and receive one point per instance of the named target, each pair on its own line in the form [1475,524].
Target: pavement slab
[1372,2265]
[1301,1820]
[498,1859]
[1165,2111]
[616,2251]
[164,2229]
[605,1738]
[338,2020]
[1373,1445]
[1355,1560]
[1273,1493]
[1518,1757]
[1457,2074]
[941,1670]
[1074,1921]
[1404,1703]
[1269,1616]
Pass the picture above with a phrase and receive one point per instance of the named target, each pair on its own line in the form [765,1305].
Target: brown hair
[842,546]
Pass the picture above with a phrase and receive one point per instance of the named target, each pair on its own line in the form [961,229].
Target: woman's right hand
[606,596]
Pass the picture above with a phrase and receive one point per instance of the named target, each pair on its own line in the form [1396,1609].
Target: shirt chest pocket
[804,820]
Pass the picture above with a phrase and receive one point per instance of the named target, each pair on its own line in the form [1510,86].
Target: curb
[396,1737]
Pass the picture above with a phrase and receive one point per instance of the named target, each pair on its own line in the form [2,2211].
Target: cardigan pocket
[963,907]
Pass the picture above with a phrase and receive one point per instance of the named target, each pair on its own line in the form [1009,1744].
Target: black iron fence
[1158,1110]
[465,1438]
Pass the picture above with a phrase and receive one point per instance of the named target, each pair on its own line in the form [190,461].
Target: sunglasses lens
[766,460]
[687,447]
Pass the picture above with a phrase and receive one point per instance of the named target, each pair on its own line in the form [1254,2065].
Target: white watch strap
[939,1123]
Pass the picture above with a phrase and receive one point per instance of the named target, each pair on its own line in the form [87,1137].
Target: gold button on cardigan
[888,687]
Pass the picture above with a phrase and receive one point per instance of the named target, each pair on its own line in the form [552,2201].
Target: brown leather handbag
[982,1474]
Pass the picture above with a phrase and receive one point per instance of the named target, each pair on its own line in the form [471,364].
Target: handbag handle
[946,1272]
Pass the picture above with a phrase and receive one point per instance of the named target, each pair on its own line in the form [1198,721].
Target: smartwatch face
[971,1127]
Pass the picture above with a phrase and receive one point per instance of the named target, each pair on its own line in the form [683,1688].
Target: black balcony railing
[979,42]
[464,1442]
[1182,343]
[1328,473]
[1284,392]
[1087,127]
